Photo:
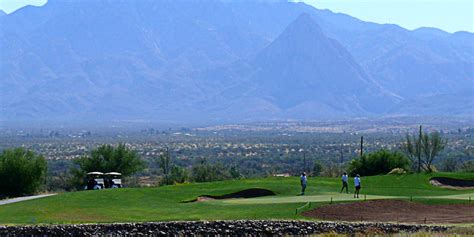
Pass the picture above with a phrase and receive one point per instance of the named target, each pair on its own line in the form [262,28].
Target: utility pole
[341,157]
[165,163]
[304,157]
[304,160]
[361,146]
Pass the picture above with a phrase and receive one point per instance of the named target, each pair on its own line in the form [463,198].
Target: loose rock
[215,228]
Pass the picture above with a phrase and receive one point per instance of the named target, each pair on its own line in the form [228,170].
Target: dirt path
[395,211]
[20,199]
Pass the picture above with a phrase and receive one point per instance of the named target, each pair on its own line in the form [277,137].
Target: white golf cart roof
[113,173]
[95,173]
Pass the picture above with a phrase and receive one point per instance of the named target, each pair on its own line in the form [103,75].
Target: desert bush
[132,182]
[467,166]
[235,172]
[22,172]
[379,162]
[204,171]
[317,168]
[332,170]
[59,182]
[179,175]
[449,164]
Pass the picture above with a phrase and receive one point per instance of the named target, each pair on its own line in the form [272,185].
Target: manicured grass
[165,203]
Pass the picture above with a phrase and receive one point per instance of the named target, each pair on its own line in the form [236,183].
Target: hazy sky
[448,15]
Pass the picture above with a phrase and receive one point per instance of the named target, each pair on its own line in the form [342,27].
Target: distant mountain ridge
[222,61]
[304,60]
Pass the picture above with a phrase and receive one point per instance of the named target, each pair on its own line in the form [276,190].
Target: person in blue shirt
[345,179]
[303,181]
[357,186]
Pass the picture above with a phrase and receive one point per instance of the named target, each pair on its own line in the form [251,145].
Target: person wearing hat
[357,185]
[345,179]
[303,181]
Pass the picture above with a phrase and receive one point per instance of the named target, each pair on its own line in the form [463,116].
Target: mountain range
[216,60]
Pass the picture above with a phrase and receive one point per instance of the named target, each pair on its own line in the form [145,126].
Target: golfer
[344,182]
[357,185]
[303,181]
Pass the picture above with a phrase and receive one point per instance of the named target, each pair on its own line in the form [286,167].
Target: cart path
[20,199]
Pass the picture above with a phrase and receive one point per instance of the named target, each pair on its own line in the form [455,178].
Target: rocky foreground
[221,228]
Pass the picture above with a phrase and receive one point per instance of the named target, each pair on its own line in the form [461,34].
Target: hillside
[322,72]
[220,61]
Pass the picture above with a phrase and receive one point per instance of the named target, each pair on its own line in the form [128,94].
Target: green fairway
[336,197]
[165,203]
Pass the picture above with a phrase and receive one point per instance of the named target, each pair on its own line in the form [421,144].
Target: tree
[449,164]
[235,173]
[332,169]
[107,158]
[200,172]
[467,166]
[422,150]
[206,172]
[379,162]
[22,172]
[178,175]
[413,149]
[317,168]
[432,145]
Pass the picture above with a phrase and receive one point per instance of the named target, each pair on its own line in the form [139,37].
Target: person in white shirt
[303,181]
[345,178]
[357,186]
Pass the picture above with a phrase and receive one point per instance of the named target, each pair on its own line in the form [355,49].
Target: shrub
[449,164]
[331,169]
[235,172]
[380,162]
[107,158]
[467,166]
[22,172]
[207,172]
[317,168]
[179,175]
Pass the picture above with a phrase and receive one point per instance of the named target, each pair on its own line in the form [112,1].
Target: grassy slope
[154,204]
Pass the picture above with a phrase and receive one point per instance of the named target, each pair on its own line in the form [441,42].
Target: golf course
[182,202]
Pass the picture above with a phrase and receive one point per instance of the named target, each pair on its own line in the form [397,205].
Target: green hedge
[22,172]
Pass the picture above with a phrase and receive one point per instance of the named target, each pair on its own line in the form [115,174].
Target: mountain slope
[303,66]
[88,58]
[224,60]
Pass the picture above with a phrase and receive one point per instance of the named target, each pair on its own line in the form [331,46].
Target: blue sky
[448,15]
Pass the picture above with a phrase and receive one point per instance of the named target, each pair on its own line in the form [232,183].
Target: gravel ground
[215,228]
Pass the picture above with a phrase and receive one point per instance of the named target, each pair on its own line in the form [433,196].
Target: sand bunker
[247,193]
[452,183]
[395,211]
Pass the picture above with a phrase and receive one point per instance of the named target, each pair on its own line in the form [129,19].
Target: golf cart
[95,180]
[113,180]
